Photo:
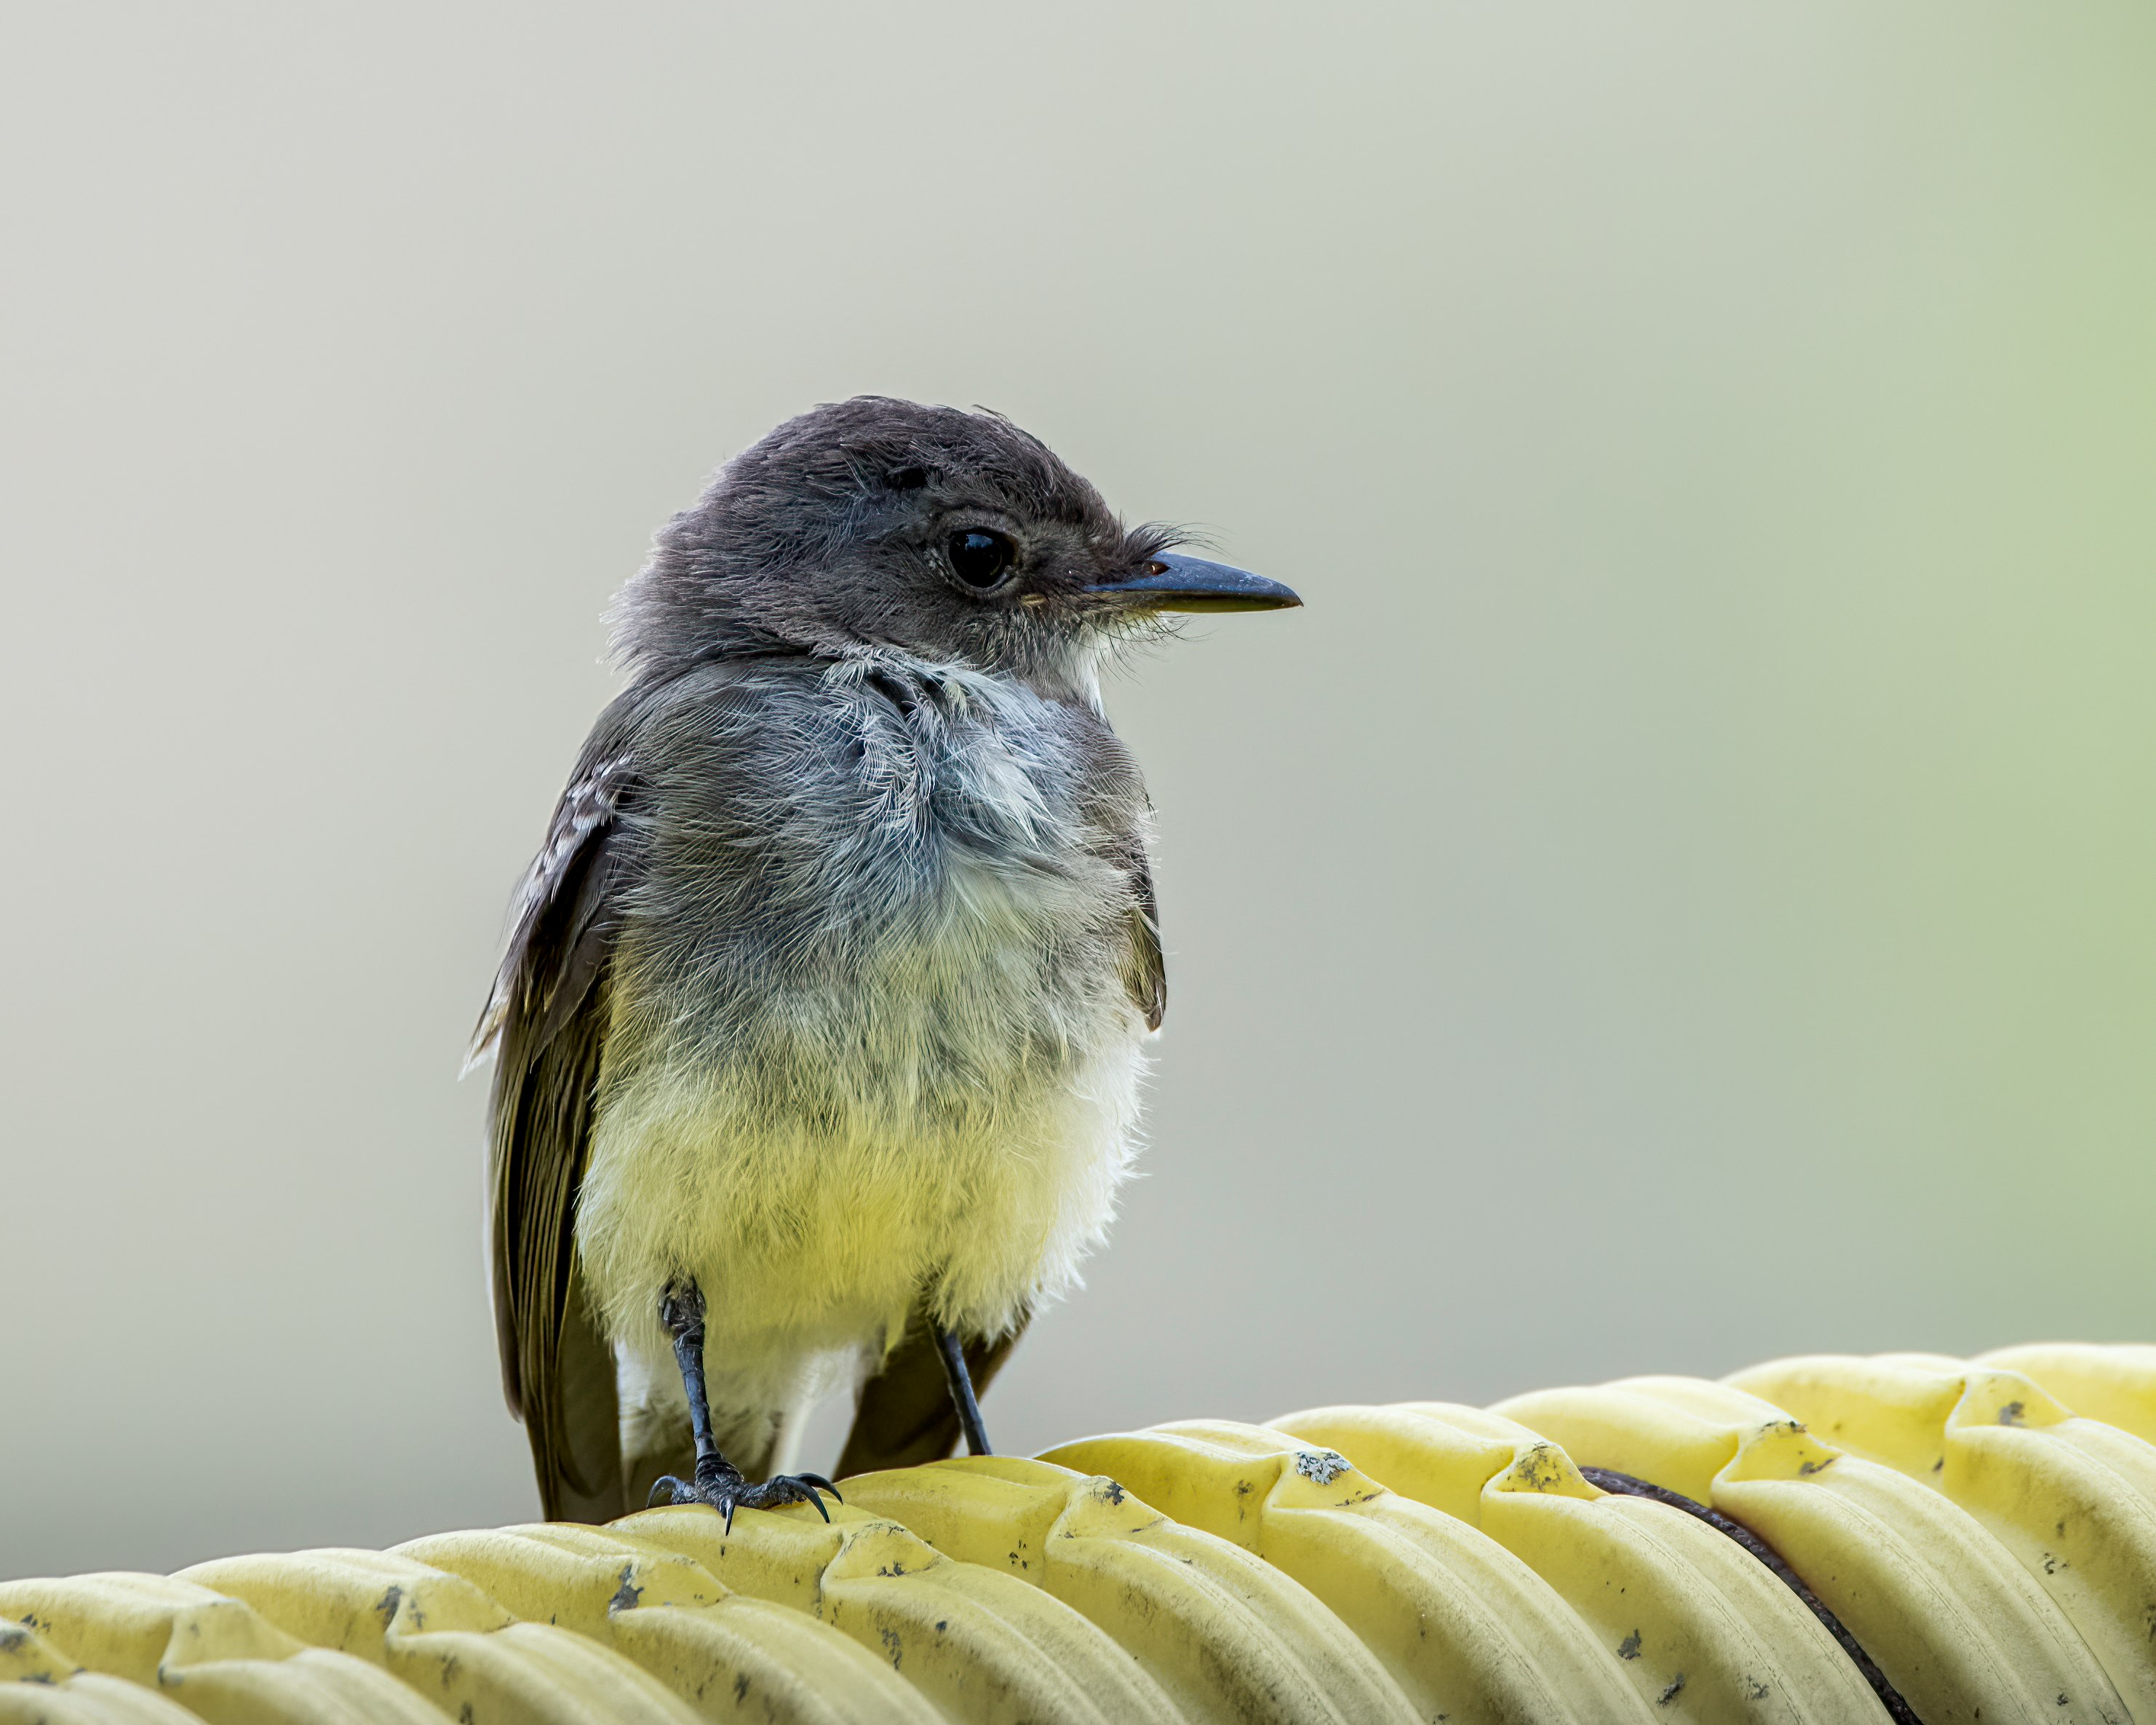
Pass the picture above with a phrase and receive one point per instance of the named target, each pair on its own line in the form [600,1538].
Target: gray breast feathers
[813,834]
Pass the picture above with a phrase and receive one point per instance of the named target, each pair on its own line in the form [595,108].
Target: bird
[819,1029]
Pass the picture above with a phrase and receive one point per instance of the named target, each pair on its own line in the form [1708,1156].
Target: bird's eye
[980,559]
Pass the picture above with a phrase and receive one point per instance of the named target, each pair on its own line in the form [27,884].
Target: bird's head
[875,523]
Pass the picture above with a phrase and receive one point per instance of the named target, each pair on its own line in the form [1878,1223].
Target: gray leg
[718,1482]
[962,1392]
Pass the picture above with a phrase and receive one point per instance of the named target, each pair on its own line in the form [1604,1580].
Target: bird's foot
[720,1485]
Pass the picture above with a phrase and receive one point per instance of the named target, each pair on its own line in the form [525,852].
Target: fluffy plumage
[829,986]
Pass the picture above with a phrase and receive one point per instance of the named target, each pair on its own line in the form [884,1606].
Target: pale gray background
[1682,892]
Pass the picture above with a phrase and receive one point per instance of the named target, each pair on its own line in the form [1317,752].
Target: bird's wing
[545,1024]
[1146,972]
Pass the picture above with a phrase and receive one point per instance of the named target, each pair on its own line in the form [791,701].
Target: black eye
[980,559]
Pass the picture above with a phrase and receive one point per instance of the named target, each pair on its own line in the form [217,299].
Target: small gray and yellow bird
[818,1036]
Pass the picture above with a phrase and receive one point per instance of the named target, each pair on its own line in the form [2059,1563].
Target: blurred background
[1681,892]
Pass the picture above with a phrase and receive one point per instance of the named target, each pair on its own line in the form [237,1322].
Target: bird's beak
[1169,583]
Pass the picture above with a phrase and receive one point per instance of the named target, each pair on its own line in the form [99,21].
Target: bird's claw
[722,1488]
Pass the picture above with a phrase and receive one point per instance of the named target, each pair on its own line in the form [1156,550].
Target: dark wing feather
[546,1023]
[905,1416]
[1147,972]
